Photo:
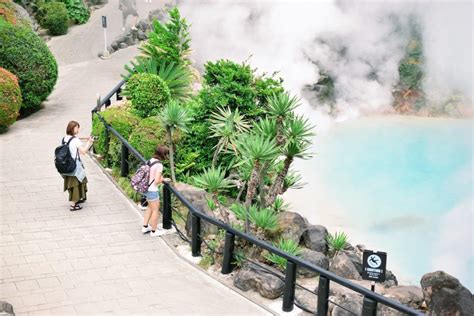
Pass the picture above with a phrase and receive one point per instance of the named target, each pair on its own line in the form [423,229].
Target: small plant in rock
[279,205]
[211,204]
[264,219]
[239,211]
[288,246]
[336,242]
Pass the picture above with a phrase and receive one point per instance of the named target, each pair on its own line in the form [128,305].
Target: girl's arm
[158,178]
[84,149]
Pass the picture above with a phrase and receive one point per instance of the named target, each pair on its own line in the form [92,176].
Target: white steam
[359,43]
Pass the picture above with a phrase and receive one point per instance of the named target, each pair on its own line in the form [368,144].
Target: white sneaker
[146,229]
[157,233]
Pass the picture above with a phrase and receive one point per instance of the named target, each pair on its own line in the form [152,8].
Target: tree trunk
[252,185]
[261,184]
[241,191]
[277,186]
[170,143]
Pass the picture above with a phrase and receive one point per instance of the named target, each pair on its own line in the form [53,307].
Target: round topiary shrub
[148,93]
[121,120]
[54,17]
[149,133]
[25,55]
[10,99]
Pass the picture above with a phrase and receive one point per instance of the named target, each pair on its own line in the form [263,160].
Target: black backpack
[63,159]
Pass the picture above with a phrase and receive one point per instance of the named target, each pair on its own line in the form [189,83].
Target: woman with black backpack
[75,182]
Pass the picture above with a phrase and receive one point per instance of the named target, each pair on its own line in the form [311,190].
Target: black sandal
[75,207]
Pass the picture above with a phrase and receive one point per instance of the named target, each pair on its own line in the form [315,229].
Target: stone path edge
[171,247]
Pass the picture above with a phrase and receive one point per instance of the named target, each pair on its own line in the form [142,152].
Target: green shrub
[336,242]
[148,93]
[149,133]
[77,11]
[10,99]
[121,120]
[287,245]
[54,17]
[25,55]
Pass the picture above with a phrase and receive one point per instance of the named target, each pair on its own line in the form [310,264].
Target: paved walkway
[94,261]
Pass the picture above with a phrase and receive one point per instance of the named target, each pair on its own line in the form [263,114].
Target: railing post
[289,293]
[369,307]
[195,235]
[118,94]
[106,145]
[124,162]
[323,296]
[167,215]
[107,103]
[227,265]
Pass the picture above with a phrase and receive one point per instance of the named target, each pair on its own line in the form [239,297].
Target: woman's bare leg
[155,206]
[148,212]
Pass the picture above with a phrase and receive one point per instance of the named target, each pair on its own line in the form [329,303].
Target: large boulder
[314,238]
[291,225]
[355,259]
[390,279]
[344,267]
[198,198]
[350,302]
[445,295]
[254,277]
[411,296]
[306,299]
[314,257]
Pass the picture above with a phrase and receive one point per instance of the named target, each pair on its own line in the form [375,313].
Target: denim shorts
[152,196]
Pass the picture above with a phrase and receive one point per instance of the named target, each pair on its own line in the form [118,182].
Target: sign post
[374,264]
[106,54]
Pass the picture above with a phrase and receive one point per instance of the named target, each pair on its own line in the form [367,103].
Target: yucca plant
[213,181]
[281,106]
[239,210]
[279,205]
[293,180]
[287,245]
[211,204]
[226,125]
[266,127]
[174,117]
[177,77]
[298,141]
[264,219]
[336,242]
[258,150]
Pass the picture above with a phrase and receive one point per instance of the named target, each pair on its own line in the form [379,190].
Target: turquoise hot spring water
[397,184]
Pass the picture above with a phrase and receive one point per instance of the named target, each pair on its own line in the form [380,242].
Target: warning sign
[374,264]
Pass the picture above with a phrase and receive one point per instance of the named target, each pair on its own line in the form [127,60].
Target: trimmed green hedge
[120,119]
[10,99]
[149,133]
[54,17]
[148,93]
[25,55]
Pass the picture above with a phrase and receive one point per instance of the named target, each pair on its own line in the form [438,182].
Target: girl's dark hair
[161,152]
[70,127]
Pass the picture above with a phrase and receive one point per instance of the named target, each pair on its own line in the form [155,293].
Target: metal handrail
[292,260]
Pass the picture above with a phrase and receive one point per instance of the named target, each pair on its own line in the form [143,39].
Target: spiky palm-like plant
[213,181]
[288,246]
[281,106]
[298,141]
[258,150]
[227,125]
[174,117]
[177,77]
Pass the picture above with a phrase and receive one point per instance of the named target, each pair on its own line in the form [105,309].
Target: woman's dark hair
[161,152]
[70,127]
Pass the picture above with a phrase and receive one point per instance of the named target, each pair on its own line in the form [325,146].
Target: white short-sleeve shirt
[73,146]
[157,167]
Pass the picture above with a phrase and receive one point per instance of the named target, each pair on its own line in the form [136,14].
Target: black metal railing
[370,299]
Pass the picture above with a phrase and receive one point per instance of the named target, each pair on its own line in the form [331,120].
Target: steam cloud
[359,43]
